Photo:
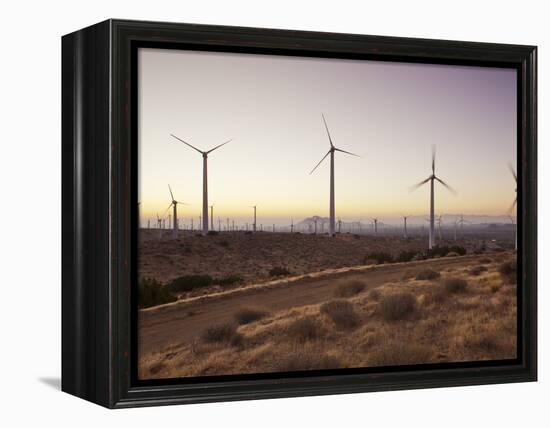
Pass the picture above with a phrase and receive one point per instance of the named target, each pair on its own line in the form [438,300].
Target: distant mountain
[418,220]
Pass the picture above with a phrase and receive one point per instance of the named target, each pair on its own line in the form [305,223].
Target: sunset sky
[388,113]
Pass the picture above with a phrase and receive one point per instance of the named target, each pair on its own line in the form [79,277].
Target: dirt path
[183,321]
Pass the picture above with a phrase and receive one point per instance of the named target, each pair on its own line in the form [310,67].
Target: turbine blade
[218,146]
[185,142]
[319,162]
[169,206]
[171,194]
[328,133]
[512,206]
[453,191]
[511,168]
[349,153]
[416,186]
[433,159]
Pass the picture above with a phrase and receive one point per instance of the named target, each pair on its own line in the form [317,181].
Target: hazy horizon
[388,113]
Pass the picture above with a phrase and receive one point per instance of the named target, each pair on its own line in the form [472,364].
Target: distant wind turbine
[405,217]
[331,153]
[204,180]
[432,178]
[254,224]
[174,205]
[512,170]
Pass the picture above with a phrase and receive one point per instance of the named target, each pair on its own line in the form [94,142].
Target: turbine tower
[204,180]
[331,153]
[432,179]
[405,217]
[254,224]
[375,224]
[212,217]
[174,205]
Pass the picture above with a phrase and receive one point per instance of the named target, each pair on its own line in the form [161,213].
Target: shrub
[442,251]
[306,360]
[279,271]
[457,249]
[224,243]
[304,329]
[397,306]
[248,315]
[222,333]
[478,270]
[189,282]
[153,293]
[485,260]
[349,289]
[342,313]
[508,271]
[406,256]
[455,285]
[379,256]
[374,295]
[427,274]
[212,233]
[435,296]
[228,280]
[452,254]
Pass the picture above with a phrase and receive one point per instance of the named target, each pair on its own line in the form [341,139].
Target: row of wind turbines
[431,179]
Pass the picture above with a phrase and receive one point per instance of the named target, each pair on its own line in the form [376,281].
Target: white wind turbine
[204,180]
[174,205]
[405,217]
[331,153]
[432,178]
[254,224]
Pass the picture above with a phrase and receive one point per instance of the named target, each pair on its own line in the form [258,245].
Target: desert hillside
[461,309]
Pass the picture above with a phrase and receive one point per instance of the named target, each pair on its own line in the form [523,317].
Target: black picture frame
[99,212]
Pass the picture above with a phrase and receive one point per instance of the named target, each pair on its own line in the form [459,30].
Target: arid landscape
[303,302]
[319,213]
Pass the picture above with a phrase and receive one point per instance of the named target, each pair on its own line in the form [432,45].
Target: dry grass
[455,285]
[248,315]
[397,306]
[342,313]
[400,323]
[304,329]
[427,274]
[350,289]
[222,333]
[478,270]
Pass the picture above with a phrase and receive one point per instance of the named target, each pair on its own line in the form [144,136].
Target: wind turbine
[331,153]
[291,225]
[174,205]
[212,217]
[254,224]
[204,180]
[375,224]
[405,217]
[515,232]
[159,226]
[432,179]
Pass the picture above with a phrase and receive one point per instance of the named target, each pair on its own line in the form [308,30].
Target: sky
[390,114]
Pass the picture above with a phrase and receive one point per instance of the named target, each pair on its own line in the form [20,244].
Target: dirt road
[184,321]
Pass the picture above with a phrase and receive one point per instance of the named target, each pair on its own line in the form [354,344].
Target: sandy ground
[251,256]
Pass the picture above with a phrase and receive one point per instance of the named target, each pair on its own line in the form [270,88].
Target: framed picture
[253,213]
